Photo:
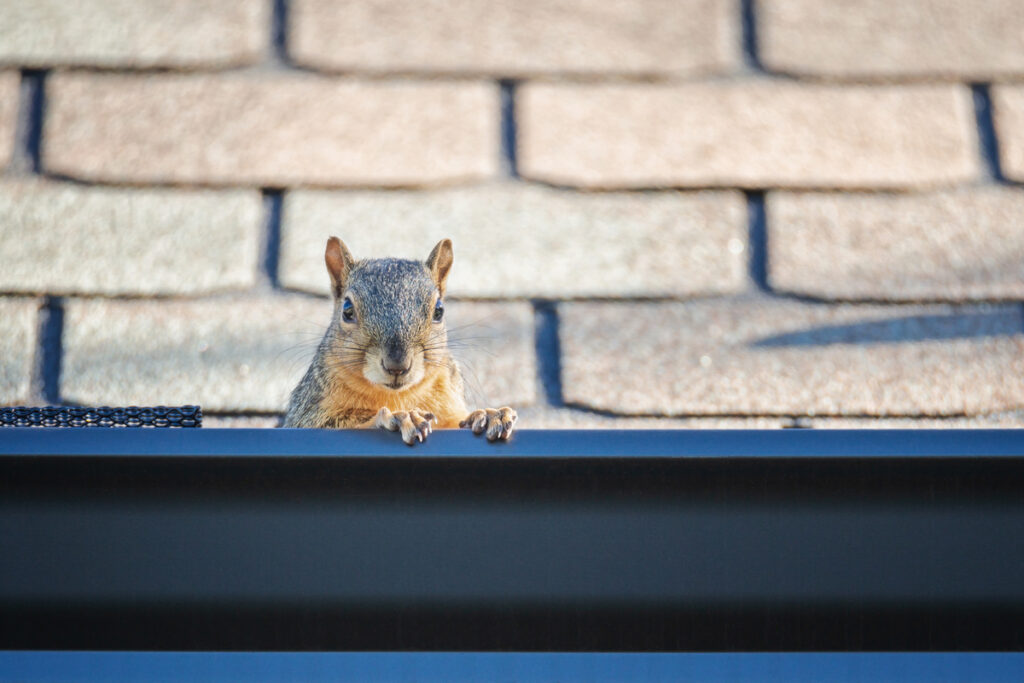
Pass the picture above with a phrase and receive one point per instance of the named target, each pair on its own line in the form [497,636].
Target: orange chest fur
[349,398]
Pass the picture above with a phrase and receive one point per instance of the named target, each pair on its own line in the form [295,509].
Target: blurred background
[666,213]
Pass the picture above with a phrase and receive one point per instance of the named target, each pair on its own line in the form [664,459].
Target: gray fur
[393,301]
[304,404]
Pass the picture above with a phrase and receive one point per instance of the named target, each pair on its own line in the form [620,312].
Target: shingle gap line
[279,31]
[757,238]
[29,133]
[988,142]
[508,128]
[49,351]
[548,351]
[270,256]
[751,56]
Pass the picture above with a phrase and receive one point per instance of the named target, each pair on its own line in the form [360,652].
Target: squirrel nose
[396,367]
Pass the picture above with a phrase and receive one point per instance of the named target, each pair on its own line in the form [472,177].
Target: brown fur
[392,303]
[354,402]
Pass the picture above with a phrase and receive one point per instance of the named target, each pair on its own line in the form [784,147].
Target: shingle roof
[675,213]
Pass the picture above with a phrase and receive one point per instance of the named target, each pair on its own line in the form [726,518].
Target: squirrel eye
[348,311]
[438,311]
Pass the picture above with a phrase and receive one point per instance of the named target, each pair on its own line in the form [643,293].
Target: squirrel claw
[496,424]
[414,425]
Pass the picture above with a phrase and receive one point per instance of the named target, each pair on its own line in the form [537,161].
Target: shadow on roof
[912,328]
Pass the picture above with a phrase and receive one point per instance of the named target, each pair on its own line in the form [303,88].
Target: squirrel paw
[414,424]
[496,424]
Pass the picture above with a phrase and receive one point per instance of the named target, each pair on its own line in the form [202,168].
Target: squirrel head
[388,326]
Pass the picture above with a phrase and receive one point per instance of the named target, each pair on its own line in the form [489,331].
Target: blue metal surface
[671,540]
[404,551]
[788,443]
[148,667]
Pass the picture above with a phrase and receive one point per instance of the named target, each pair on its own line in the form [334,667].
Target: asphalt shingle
[885,39]
[574,418]
[18,328]
[762,356]
[513,239]
[229,355]
[517,37]
[494,346]
[247,354]
[1008,106]
[1011,420]
[603,179]
[134,33]
[9,96]
[956,245]
[274,131]
[64,238]
[240,421]
[752,134]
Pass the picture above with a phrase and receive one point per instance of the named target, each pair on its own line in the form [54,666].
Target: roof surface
[666,213]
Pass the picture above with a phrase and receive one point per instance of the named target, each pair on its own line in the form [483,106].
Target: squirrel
[384,360]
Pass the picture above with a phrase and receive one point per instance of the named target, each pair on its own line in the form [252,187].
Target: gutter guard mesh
[54,416]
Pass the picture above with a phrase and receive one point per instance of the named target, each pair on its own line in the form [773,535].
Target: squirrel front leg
[414,425]
[497,424]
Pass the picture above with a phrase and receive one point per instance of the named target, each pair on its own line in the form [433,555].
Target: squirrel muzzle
[397,362]
[393,365]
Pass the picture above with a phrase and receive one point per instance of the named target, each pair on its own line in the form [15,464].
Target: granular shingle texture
[63,238]
[759,356]
[1008,104]
[572,418]
[271,131]
[753,134]
[494,346]
[18,322]
[666,213]
[517,37]
[1010,420]
[247,354]
[885,39]
[964,244]
[8,114]
[133,33]
[240,421]
[519,240]
[223,354]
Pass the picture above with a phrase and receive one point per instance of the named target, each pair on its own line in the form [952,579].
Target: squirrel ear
[339,263]
[440,262]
